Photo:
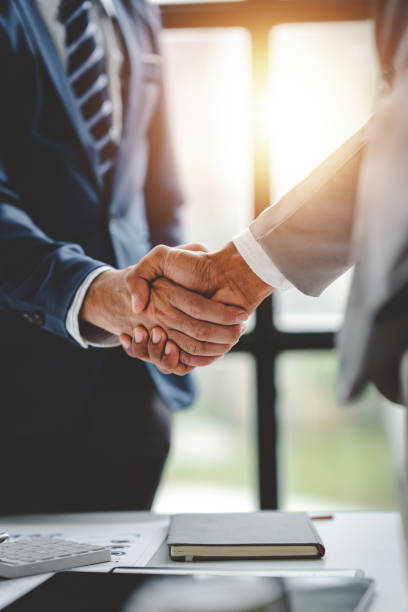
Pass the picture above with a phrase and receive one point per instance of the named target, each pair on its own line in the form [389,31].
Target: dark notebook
[253,535]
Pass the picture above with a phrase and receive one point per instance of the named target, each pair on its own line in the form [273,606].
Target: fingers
[154,265]
[156,349]
[188,268]
[138,277]
[139,289]
[196,361]
[165,354]
[166,309]
[160,351]
[136,350]
[207,333]
[204,309]
[195,347]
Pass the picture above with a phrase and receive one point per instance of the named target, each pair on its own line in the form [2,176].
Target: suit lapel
[58,76]
[130,27]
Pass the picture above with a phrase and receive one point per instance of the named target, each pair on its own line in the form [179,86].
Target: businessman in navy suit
[87,187]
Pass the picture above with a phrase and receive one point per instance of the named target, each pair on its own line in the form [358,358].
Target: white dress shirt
[259,262]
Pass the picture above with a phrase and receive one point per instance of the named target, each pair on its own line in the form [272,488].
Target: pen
[3,537]
[322,517]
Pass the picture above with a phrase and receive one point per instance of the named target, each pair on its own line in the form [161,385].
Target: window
[322,86]
[209,94]
[260,91]
[213,463]
[330,456]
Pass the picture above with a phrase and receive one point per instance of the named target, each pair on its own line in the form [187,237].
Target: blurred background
[259,92]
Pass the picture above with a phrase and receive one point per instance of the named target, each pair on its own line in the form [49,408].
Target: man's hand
[197,325]
[223,276]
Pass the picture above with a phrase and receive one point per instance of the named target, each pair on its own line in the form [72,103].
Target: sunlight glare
[322,82]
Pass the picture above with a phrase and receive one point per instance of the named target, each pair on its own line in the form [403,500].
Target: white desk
[357,540]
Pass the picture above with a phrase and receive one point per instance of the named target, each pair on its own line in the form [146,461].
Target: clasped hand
[179,307]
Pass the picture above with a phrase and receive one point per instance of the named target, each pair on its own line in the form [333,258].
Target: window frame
[266,342]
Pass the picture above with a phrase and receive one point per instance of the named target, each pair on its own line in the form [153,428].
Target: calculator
[29,556]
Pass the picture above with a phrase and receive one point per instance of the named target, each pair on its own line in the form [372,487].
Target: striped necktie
[88,80]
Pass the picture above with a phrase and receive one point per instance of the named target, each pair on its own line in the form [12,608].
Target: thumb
[139,277]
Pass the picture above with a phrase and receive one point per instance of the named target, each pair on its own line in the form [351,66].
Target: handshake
[179,307]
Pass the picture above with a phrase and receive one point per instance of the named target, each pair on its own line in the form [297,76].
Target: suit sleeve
[307,234]
[38,276]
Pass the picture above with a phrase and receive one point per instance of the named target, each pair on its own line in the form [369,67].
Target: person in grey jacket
[352,210]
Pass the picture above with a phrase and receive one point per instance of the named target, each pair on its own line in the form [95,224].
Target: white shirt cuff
[94,335]
[259,262]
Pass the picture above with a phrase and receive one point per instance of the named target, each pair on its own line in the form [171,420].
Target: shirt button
[27,316]
[36,318]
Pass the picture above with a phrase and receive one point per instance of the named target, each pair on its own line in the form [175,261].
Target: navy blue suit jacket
[56,224]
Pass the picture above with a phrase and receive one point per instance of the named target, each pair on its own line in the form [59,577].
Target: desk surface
[356,540]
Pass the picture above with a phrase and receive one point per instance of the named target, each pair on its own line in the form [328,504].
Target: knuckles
[236,333]
[199,246]
[191,347]
[155,312]
[159,251]
[128,275]
[196,311]
[226,316]
[204,332]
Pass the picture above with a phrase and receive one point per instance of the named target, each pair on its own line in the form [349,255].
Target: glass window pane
[208,85]
[295,311]
[322,86]
[212,466]
[207,75]
[330,457]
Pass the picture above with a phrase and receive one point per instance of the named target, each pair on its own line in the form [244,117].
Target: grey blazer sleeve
[307,233]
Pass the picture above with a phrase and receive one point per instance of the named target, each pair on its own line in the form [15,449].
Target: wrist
[252,288]
[105,302]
